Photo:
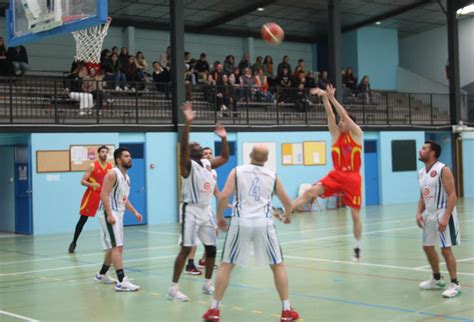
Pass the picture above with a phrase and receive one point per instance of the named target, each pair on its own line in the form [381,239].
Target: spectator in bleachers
[190,73]
[218,74]
[349,80]
[202,67]
[284,64]
[115,50]
[123,57]
[301,66]
[73,89]
[283,85]
[229,64]
[114,75]
[258,64]
[310,80]
[19,59]
[162,78]
[104,59]
[222,96]
[94,84]
[268,70]
[235,80]
[141,64]
[244,63]
[300,80]
[165,59]
[134,82]
[187,58]
[301,98]
[364,89]
[4,62]
[248,84]
[263,94]
[323,81]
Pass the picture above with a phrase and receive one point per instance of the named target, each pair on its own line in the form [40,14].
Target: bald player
[252,225]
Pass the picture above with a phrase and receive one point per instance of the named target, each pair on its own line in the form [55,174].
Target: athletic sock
[286,305]
[206,281]
[104,269]
[190,263]
[174,285]
[215,304]
[455,281]
[437,276]
[120,274]
[357,243]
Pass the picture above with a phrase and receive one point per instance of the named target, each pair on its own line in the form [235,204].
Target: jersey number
[255,189]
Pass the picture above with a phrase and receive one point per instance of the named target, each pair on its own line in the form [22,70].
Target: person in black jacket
[4,62]
[19,58]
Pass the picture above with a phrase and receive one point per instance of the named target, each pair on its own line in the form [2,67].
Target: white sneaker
[223,108]
[176,295]
[118,89]
[126,286]
[208,288]
[104,278]
[432,284]
[453,290]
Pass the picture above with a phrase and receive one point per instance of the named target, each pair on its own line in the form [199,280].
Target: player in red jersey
[346,157]
[92,179]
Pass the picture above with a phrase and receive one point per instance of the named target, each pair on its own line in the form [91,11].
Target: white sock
[286,305]
[206,281]
[215,304]
[357,243]
[174,285]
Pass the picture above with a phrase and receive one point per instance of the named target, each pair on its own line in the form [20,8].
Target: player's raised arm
[331,117]
[224,156]
[185,160]
[285,200]
[109,182]
[341,111]
[225,194]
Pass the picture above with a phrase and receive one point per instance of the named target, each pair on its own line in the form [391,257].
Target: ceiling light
[466,10]
[261,9]
[378,23]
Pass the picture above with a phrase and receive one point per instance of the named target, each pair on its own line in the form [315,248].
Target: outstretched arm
[185,158]
[224,156]
[333,129]
[341,111]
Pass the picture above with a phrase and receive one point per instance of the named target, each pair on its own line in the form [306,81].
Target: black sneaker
[356,256]
[192,270]
[72,247]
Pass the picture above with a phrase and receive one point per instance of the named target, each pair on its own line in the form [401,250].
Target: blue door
[137,174]
[223,171]
[371,165]
[23,192]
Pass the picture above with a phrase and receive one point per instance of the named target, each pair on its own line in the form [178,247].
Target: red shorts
[90,203]
[349,183]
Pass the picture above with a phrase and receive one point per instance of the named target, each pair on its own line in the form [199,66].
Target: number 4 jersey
[254,189]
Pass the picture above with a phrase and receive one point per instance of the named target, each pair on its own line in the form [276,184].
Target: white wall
[56,53]
[427,53]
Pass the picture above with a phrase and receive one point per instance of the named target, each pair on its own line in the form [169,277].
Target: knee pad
[211,251]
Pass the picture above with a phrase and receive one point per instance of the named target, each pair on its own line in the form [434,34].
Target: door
[23,192]
[137,174]
[371,165]
[223,171]
[7,189]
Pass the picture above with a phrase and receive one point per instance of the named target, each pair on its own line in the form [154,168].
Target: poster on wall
[292,153]
[271,163]
[83,155]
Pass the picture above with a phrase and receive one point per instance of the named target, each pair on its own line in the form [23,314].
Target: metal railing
[62,101]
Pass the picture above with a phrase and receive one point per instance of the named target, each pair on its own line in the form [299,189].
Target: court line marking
[444,263]
[326,260]
[18,316]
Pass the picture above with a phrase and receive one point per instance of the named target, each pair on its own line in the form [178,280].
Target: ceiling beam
[233,15]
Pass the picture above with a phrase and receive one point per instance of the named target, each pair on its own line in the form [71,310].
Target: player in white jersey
[191,268]
[114,201]
[437,216]
[197,187]
[252,225]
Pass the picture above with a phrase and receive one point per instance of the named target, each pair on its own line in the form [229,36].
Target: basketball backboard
[30,20]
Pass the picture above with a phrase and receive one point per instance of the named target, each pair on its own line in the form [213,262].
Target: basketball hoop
[89,43]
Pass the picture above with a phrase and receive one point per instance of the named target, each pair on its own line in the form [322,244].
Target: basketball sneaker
[126,286]
[176,295]
[433,284]
[212,315]
[104,278]
[202,264]
[356,256]
[72,247]
[208,288]
[289,315]
[453,291]
[192,270]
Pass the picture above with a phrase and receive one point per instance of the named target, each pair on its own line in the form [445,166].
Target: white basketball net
[89,42]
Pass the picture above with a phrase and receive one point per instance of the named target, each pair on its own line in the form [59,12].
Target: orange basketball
[272,33]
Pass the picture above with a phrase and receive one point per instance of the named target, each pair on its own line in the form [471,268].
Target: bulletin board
[81,156]
[292,153]
[52,161]
[314,152]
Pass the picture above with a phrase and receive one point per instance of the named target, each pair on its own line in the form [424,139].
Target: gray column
[129,37]
[334,45]
[177,59]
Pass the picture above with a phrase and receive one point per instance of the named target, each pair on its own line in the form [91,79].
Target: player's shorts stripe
[183,212]
[110,229]
[270,247]
[234,247]
[452,231]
